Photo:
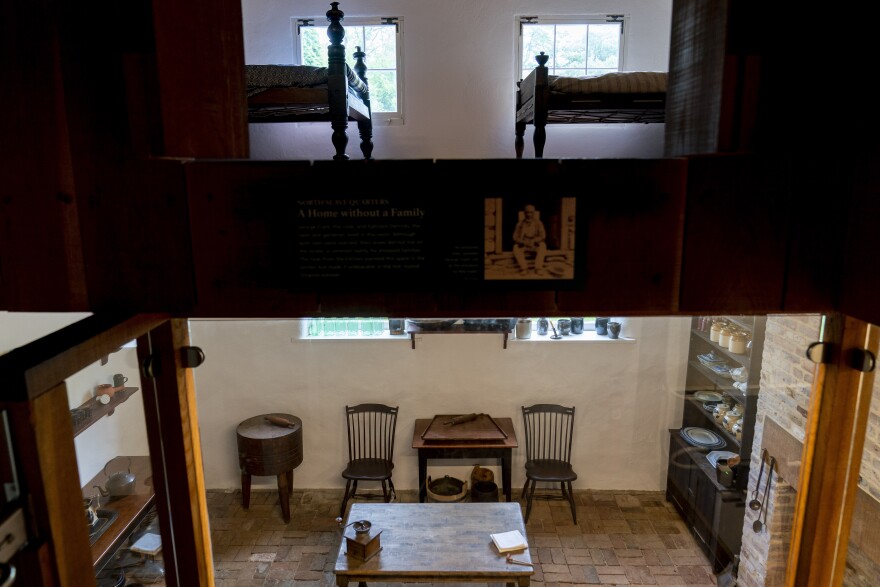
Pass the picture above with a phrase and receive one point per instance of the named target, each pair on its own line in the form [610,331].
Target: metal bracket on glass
[819,352]
[193,356]
[862,360]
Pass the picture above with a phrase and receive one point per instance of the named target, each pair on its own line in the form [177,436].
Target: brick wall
[786,381]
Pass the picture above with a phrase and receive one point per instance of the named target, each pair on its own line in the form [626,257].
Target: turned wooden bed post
[520,125]
[365,127]
[542,103]
[337,81]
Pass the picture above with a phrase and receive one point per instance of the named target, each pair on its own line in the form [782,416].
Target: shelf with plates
[739,358]
[722,384]
[707,420]
[696,494]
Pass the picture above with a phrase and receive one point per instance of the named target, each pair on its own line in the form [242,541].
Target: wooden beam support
[832,457]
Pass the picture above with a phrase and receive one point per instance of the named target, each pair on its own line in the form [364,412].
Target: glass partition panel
[113,459]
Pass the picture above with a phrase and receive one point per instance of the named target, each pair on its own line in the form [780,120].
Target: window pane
[537,38]
[604,46]
[354,37]
[381,47]
[383,90]
[314,46]
[571,43]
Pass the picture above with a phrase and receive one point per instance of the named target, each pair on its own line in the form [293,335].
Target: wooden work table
[130,509]
[435,543]
[465,447]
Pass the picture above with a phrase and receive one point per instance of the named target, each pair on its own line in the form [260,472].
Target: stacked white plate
[702,438]
[708,396]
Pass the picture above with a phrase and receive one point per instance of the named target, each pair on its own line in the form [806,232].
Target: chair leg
[570,495]
[345,497]
[523,494]
[529,503]
[393,491]
[384,491]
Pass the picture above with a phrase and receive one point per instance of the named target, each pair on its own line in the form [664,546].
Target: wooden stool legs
[245,490]
[285,490]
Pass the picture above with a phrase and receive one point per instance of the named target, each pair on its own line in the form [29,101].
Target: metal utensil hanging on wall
[758,525]
[755,504]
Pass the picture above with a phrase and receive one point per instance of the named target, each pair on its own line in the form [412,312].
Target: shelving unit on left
[92,410]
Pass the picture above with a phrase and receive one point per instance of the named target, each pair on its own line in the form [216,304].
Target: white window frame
[379,118]
[587,19]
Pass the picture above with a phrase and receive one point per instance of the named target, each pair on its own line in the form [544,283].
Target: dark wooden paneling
[238,212]
[859,280]
[631,216]
[817,241]
[736,235]
[136,242]
[200,67]
[41,267]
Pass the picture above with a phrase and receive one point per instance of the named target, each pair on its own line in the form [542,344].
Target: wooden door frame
[32,383]
[840,405]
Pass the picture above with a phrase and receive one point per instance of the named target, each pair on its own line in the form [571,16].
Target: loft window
[381,38]
[577,46]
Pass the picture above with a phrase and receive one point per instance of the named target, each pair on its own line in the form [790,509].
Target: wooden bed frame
[345,97]
[537,104]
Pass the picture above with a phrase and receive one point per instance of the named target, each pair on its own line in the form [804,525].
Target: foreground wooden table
[435,543]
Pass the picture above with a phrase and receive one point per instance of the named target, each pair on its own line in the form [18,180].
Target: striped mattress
[617,82]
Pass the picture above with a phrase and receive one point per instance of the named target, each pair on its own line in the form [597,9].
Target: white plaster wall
[625,393]
[460,79]
[19,328]
[124,432]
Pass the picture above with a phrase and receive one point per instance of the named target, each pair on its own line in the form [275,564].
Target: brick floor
[622,538]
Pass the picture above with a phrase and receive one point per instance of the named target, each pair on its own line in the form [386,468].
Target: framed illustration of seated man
[529,238]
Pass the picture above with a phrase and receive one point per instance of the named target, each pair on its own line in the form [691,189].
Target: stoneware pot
[613,329]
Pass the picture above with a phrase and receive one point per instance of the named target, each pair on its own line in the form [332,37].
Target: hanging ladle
[755,504]
[758,525]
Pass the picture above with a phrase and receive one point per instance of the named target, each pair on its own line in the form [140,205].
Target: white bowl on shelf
[740,374]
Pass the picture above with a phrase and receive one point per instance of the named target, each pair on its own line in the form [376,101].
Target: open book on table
[509,541]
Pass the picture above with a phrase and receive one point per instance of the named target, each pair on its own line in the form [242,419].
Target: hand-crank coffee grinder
[363,542]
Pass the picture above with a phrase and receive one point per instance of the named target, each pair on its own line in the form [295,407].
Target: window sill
[586,337]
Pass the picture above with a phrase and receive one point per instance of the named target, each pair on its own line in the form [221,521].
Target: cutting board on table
[481,428]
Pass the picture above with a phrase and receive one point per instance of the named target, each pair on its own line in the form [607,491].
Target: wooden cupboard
[714,512]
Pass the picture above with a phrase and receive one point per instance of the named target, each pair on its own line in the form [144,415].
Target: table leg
[284,496]
[290,482]
[505,471]
[423,477]
[245,490]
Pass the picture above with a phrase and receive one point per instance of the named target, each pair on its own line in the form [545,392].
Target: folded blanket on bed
[261,77]
[616,82]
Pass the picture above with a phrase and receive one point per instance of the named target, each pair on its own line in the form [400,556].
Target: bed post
[520,125]
[365,127]
[542,103]
[337,81]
